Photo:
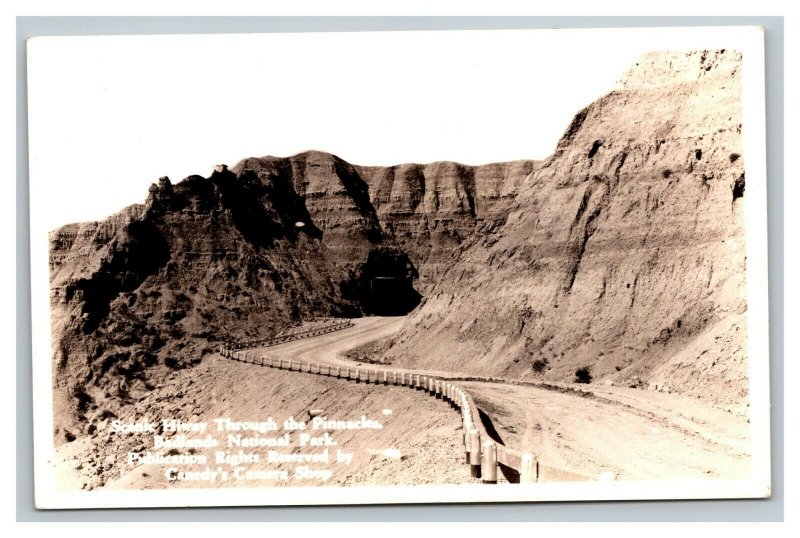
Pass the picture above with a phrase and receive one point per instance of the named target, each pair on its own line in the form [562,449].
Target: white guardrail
[282,339]
[482,453]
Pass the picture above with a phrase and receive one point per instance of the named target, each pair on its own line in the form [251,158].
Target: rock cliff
[155,287]
[622,258]
[242,254]
[432,208]
[429,209]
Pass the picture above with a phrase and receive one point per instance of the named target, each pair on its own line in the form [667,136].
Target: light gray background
[721,510]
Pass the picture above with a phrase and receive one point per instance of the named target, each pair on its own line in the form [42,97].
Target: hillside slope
[622,255]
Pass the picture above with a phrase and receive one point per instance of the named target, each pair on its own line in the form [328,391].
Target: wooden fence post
[475,453]
[489,462]
[528,473]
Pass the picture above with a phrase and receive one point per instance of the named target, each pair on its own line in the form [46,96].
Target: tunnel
[393,296]
[387,283]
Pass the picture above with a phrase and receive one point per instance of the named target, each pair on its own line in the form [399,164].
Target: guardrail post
[475,453]
[357,375]
[438,387]
[489,462]
[385,377]
[529,469]
[261,360]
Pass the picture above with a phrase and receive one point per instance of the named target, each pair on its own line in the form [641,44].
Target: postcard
[399,267]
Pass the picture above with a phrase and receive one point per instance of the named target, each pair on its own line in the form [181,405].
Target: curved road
[636,434]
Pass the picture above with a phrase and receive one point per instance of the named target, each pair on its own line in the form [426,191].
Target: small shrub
[583,375]
[539,365]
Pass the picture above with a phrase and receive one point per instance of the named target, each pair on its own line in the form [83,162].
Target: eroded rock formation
[242,254]
[428,209]
[623,254]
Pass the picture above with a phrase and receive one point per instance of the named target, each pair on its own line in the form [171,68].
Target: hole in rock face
[698,154]
[386,284]
[738,187]
[595,147]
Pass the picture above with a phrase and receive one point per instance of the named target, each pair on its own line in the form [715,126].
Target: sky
[110,115]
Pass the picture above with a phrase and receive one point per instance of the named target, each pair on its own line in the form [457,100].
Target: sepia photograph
[399,267]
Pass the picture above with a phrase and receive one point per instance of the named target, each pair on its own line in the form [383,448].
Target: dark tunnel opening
[387,283]
[393,296]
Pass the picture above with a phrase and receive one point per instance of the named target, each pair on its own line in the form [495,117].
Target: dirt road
[637,434]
